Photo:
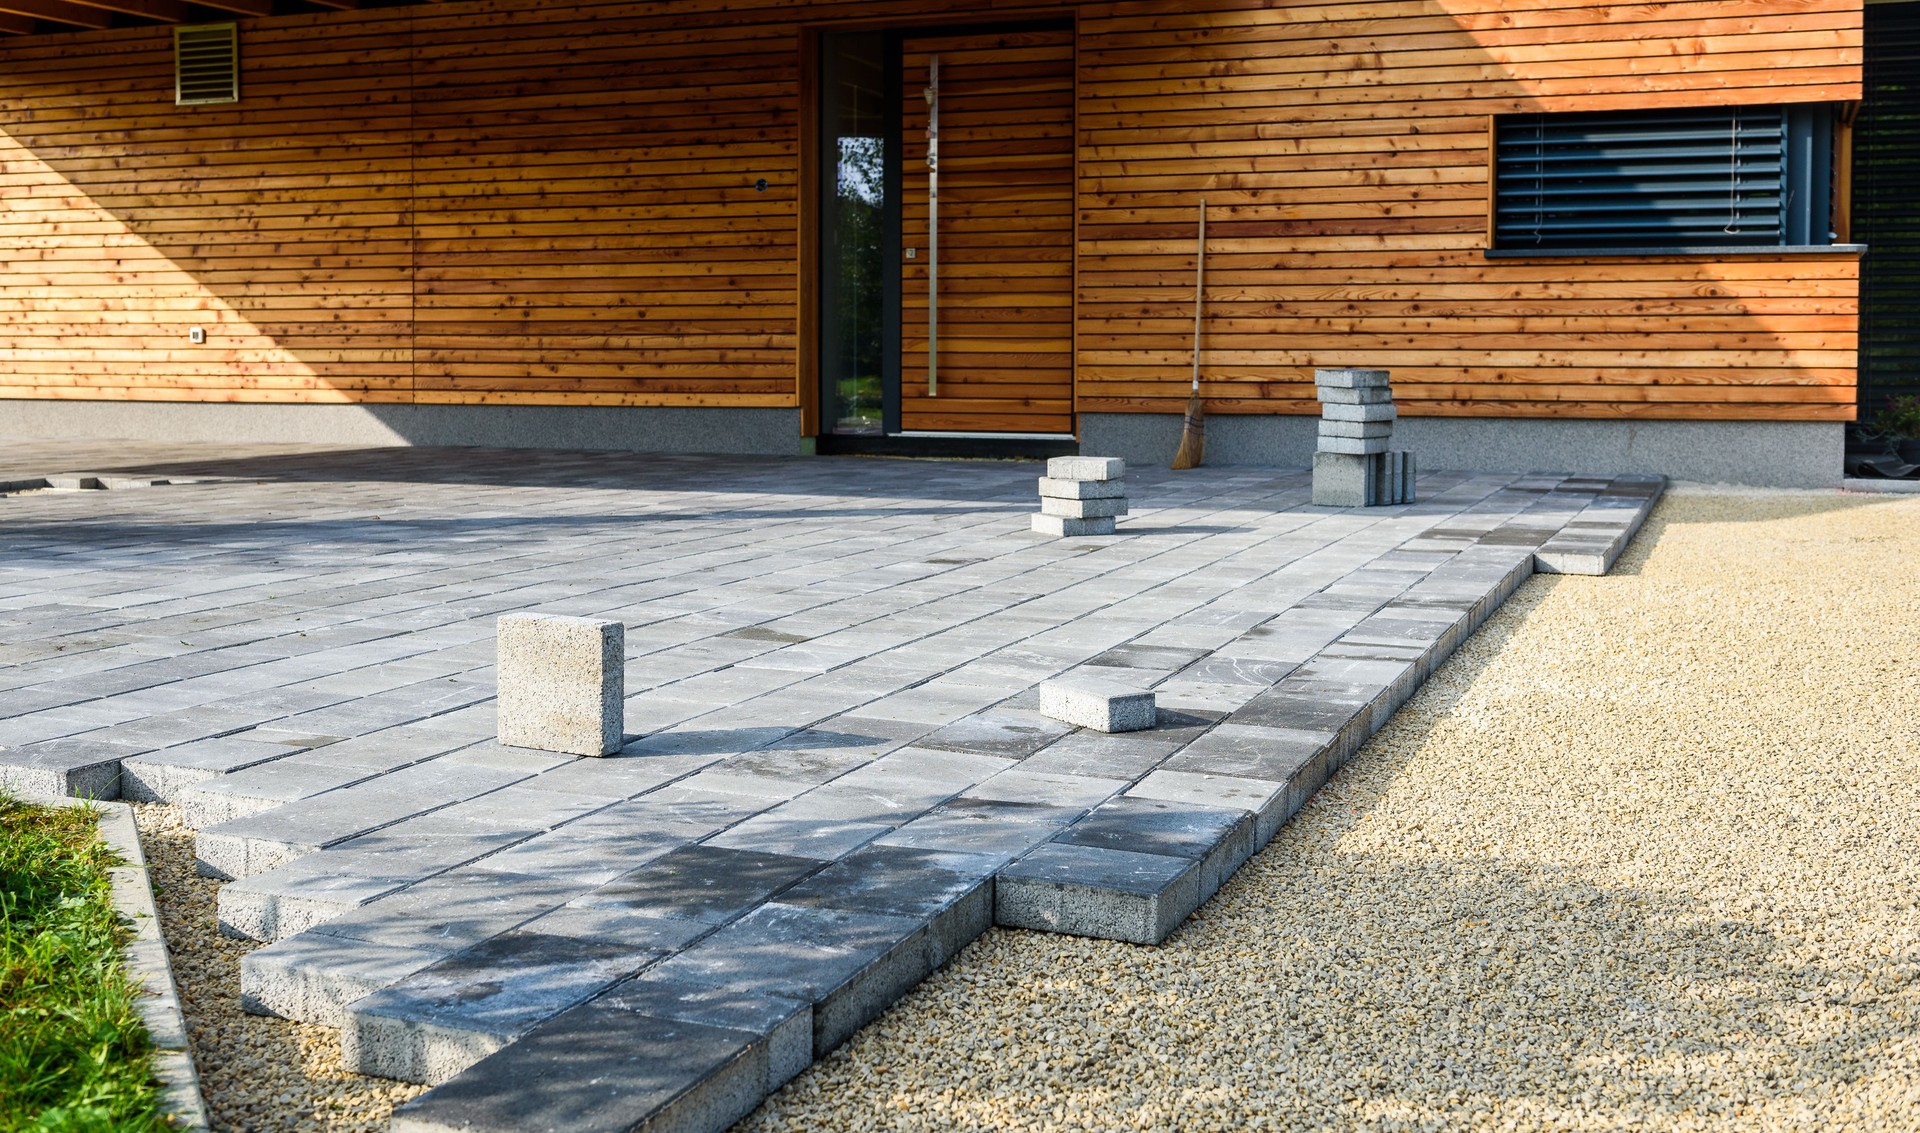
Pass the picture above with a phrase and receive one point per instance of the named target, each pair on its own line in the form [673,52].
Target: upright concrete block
[561,683]
[1086,468]
[1342,479]
[1402,469]
[1097,703]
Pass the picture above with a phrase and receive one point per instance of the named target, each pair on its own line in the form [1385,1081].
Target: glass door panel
[859,237]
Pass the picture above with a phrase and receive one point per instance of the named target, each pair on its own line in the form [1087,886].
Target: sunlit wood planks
[506,201]
[1342,148]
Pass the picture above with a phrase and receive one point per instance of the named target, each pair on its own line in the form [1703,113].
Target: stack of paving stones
[1081,495]
[1355,465]
[848,774]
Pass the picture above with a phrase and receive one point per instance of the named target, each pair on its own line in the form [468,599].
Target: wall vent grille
[206,64]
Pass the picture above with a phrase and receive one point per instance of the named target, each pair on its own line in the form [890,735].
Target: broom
[1193,429]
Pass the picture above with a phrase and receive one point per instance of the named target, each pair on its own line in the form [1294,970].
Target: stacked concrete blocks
[1081,495]
[1356,465]
[561,683]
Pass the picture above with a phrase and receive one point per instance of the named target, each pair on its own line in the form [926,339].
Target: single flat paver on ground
[836,771]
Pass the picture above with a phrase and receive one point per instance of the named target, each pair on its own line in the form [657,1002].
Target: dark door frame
[816,231]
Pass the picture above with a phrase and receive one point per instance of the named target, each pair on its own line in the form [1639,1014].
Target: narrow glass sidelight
[857,232]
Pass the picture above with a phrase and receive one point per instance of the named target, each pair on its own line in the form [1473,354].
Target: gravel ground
[1642,855]
[258,1075]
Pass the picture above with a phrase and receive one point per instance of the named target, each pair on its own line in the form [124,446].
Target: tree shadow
[574,470]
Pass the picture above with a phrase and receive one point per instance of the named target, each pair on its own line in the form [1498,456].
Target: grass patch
[74,1054]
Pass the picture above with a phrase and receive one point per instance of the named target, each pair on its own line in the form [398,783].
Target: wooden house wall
[517,202]
[281,225]
[1342,151]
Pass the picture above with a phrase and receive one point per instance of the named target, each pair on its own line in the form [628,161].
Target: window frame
[1811,133]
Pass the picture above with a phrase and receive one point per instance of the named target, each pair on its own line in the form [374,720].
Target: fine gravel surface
[258,1075]
[1643,855]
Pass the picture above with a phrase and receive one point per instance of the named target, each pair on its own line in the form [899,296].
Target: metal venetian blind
[206,64]
[1671,178]
[1886,206]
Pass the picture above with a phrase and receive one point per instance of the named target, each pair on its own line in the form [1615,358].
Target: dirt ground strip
[1643,854]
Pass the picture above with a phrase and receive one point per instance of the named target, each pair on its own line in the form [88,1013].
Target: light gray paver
[86,768]
[311,978]
[1350,378]
[242,847]
[1051,488]
[162,775]
[1083,508]
[1341,411]
[1086,468]
[842,773]
[1094,702]
[1062,525]
[1351,446]
[1355,430]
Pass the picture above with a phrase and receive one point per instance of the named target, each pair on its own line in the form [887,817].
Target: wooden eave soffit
[28,17]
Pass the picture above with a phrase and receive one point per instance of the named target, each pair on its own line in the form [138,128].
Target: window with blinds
[1743,176]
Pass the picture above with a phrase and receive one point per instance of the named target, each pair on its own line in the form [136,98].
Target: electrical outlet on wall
[196,335]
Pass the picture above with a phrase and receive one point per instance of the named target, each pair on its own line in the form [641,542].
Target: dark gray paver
[849,965]
[602,1069]
[437,1021]
[705,883]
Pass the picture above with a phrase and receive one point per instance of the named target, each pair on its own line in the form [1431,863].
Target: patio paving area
[836,777]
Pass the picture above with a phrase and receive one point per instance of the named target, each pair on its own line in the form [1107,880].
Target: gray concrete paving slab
[836,773]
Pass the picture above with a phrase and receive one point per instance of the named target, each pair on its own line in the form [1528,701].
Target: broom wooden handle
[1199,290]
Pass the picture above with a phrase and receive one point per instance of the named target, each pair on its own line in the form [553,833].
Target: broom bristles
[1193,435]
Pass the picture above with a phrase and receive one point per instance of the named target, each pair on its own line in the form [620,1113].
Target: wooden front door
[1005,247]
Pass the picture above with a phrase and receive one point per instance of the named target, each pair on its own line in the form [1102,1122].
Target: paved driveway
[836,774]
